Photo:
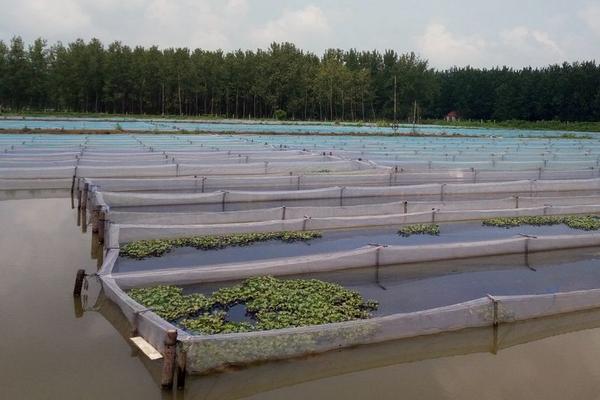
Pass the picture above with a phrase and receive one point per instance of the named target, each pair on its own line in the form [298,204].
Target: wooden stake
[95,218]
[73,193]
[168,369]
[84,196]
[79,194]
[101,225]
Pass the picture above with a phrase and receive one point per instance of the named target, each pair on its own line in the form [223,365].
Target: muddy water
[46,352]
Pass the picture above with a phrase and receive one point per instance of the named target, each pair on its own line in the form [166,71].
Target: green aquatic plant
[419,229]
[586,223]
[271,303]
[158,247]
[211,323]
[169,302]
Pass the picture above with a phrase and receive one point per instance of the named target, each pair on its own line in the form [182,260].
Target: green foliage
[586,223]
[272,303]
[169,301]
[280,114]
[286,82]
[155,248]
[419,229]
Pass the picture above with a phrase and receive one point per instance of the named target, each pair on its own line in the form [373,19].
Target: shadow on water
[53,349]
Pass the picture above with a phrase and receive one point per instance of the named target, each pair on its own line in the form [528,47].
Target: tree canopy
[284,81]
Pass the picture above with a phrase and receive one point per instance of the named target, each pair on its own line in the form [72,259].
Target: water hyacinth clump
[419,229]
[169,302]
[270,303]
[586,223]
[155,248]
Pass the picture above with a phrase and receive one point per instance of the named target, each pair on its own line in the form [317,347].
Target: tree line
[285,82]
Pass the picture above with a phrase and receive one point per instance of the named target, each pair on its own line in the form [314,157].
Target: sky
[480,33]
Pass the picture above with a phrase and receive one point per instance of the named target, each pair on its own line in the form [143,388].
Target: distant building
[452,116]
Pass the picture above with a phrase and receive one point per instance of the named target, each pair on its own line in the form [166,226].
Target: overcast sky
[457,32]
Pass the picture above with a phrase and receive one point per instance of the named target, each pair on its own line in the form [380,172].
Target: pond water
[332,241]
[255,127]
[47,352]
[415,287]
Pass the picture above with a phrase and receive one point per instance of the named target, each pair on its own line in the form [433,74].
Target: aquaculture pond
[336,202]
[89,354]
[331,241]
[257,127]
[256,205]
[414,287]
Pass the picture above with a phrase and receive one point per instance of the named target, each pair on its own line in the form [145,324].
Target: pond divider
[441,191]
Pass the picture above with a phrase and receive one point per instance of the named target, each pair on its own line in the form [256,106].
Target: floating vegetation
[586,223]
[155,248]
[419,229]
[169,301]
[270,303]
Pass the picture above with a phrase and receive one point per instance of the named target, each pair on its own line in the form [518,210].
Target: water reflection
[434,361]
[51,349]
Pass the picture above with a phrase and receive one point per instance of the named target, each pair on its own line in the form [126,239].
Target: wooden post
[79,195]
[73,193]
[168,369]
[84,222]
[79,277]
[84,197]
[95,219]
[101,225]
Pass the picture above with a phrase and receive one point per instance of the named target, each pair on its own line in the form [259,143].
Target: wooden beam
[146,348]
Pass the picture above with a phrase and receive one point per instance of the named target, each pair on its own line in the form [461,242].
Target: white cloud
[531,41]
[518,46]
[591,16]
[305,27]
[208,24]
[559,32]
[189,22]
[237,6]
[38,17]
[446,48]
